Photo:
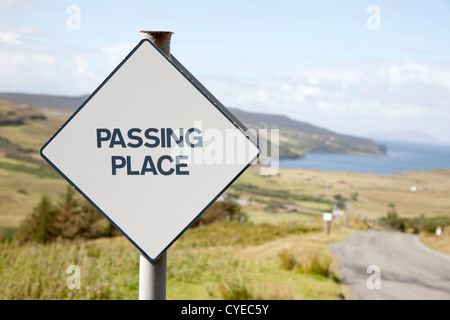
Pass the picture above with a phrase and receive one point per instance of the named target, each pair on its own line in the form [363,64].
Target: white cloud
[405,111]
[33,70]
[14,4]
[114,54]
[410,72]
[10,38]
[304,91]
[350,97]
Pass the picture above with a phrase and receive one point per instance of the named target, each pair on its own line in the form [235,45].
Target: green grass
[324,207]
[31,135]
[262,216]
[21,192]
[20,167]
[234,233]
[244,267]
[39,271]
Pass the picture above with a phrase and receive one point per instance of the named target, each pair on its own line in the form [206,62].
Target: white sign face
[150,150]
[338,212]
[327,216]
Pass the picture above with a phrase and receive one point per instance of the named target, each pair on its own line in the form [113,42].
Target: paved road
[408,269]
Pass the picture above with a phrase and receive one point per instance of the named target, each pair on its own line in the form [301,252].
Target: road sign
[150,149]
[327,216]
[338,212]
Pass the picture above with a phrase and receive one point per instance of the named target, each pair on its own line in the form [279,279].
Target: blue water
[401,157]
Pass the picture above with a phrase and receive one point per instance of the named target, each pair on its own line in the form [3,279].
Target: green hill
[296,137]
[24,175]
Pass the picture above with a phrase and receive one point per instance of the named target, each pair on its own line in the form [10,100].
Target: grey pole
[152,275]
[152,278]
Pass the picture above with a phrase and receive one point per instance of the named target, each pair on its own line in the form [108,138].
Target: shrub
[308,262]
[289,259]
[314,263]
[221,210]
[236,289]
[71,218]
[393,220]
[340,201]
[7,234]
[38,226]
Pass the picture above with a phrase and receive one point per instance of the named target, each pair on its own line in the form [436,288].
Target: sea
[400,157]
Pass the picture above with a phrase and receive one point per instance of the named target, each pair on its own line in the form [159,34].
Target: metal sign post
[327,217]
[153,275]
[152,278]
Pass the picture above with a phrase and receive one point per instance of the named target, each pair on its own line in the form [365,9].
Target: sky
[351,66]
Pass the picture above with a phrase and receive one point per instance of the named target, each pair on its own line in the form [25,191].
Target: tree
[339,201]
[38,227]
[71,218]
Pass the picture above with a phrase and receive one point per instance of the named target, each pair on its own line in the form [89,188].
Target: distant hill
[296,137]
[59,105]
[300,137]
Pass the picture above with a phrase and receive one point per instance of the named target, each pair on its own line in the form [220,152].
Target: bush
[415,225]
[221,210]
[314,263]
[71,218]
[7,234]
[38,227]
[236,289]
[339,201]
[307,262]
[393,220]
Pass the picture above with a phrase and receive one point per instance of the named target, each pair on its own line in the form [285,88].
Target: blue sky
[316,61]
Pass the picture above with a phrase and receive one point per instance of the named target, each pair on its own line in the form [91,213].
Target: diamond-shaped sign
[150,149]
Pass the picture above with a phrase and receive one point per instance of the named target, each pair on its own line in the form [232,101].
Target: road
[407,268]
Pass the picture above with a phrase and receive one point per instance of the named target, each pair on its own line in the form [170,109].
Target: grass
[262,216]
[375,192]
[234,233]
[20,167]
[21,191]
[244,267]
[32,134]
[109,270]
[273,256]
[441,244]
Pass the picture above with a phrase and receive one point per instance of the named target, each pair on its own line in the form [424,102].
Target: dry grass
[375,192]
[441,244]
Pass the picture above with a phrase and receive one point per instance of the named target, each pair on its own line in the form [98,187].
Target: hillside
[59,105]
[23,130]
[301,137]
[296,137]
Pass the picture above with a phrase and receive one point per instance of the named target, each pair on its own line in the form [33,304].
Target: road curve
[408,269]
